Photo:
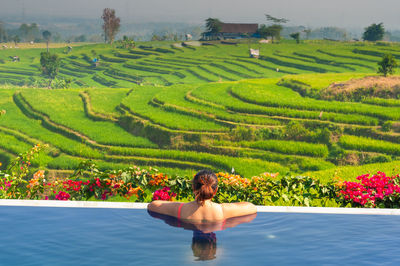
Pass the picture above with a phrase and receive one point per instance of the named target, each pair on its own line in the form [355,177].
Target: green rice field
[211,106]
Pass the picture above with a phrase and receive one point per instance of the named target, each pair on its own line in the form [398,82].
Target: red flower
[163,194]
[62,196]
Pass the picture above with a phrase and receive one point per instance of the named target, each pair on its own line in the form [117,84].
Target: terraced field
[184,109]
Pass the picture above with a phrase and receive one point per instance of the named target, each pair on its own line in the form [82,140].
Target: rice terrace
[202,106]
[314,108]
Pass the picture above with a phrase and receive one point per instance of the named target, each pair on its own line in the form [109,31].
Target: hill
[184,109]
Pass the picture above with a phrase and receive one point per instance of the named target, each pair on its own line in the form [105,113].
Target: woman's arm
[238,209]
[164,207]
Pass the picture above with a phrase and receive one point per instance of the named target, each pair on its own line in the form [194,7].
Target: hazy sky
[342,13]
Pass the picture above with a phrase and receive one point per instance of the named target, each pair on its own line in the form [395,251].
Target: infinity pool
[90,236]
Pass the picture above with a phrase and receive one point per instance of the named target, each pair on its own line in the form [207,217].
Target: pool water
[89,236]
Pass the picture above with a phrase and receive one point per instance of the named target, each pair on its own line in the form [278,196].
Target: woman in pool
[202,209]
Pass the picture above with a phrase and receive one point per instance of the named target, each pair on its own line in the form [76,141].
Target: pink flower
[62,196]
[163,194]
[378,187]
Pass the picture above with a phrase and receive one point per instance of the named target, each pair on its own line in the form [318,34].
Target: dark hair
[204,245]
[204,184]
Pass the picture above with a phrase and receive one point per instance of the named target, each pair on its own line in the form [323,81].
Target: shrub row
[291,112]
[137,52]
[302,88]
[197,75]
[124,76]
[218,75]
[324,61]
[289,147]
[129,56]
[77,68]
[70,73]
[368,144]
[147,69]
[242,66]
[87,106]
[27,109]
[139,127]
[103,81]
[264,66]
[237,73]
[158,64]
[190,112]
[273,96]
[112,59]
[352,57]
[382,102]
[175,61]
[372,53]
[293,65]
[18,72]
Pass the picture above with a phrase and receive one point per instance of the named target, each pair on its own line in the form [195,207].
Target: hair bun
[205,181]
[205,184]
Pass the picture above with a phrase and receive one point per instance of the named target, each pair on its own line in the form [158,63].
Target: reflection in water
[204,241]
[204,245]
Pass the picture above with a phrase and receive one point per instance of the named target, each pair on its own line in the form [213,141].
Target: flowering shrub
[159,179]
[378,190]
[19,181]
[268,189]
[13,181]
[62,196]
[164,194]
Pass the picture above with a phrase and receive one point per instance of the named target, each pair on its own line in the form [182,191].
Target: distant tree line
[274,29]
[25,33]
[32,33]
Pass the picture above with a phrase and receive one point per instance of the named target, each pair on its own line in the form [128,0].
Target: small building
[238,30]
[234,31]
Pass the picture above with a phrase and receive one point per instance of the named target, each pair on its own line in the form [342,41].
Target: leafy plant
[13,181]
[387,65]
[50,64]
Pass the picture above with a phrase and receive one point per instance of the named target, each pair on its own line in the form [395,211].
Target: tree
[263,31]
[111,24]
[3,33]
[126,42]
[387,65]
[296,36]
[275,20]
[47,35]
[28,32]
[33,32]
[307,32]
[16,40]
[374,32]
[50,63]
[80,38]
[275,29]
[23,30]
[213,26]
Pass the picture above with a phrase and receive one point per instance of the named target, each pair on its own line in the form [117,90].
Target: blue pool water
[84,236]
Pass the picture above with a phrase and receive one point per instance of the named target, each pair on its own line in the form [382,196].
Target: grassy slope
[194,106]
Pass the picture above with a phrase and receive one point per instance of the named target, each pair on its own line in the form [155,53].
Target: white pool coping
[131,205]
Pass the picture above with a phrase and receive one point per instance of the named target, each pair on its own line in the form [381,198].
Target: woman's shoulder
[164,207]
[238,209]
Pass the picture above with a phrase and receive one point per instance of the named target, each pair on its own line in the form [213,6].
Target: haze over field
[314,13]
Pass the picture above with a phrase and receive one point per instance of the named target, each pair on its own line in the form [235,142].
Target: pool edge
[134,205]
